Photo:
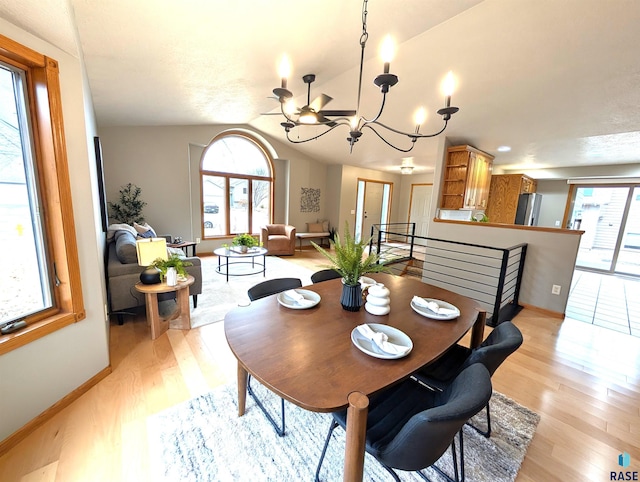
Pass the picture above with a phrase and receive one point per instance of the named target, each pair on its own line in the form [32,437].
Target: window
[36,218]
[21,227]
[236,185]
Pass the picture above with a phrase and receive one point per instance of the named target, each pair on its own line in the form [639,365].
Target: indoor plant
[350,261]
[245,241]
[129,209]
[174,261]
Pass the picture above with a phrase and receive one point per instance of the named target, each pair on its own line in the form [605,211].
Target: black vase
[150,276]
[351,298]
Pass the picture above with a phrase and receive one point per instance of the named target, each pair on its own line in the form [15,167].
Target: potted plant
[129,209]
[245,241]
[351,262]
[174,261]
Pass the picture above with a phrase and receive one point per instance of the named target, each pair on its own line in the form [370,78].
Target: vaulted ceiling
[557,80]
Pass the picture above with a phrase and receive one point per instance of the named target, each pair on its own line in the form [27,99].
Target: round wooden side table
[179,319]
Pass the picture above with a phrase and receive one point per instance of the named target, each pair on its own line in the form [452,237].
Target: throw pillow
[176,251]
[325,225]
[315,228]
[143,228]
[147,234]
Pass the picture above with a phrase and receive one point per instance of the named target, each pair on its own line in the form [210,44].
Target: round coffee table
[241,258]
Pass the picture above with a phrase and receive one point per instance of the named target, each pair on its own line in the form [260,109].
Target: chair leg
[391,471]
[333,426]
[280,430]
[486,433]
[120,319]
[457,476]
[195,301]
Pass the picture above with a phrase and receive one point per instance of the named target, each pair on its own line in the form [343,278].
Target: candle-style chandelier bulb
[314,114]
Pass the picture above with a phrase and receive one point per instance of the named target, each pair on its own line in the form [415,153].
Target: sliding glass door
[609,217]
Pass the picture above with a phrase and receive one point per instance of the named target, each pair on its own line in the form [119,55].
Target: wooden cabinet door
[478,182]
[467,178]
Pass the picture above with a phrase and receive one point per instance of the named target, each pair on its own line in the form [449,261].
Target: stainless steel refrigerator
[528,209]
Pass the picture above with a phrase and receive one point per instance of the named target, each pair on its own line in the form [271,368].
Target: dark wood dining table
[307,356]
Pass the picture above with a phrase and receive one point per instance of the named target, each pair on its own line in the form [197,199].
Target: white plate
[365,345]
[430,314]
[287,302]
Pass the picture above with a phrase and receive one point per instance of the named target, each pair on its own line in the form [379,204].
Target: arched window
[236,175]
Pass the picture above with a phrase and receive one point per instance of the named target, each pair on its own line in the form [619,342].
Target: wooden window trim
[45,108]
[229,175]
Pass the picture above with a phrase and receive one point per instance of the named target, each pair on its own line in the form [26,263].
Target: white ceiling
[557,80]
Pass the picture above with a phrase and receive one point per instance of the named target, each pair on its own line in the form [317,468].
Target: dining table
[307,356]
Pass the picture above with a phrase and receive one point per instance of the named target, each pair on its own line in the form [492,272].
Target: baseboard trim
[554,314]
[19,435]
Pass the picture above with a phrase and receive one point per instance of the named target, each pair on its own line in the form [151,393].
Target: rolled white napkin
[433,306]
[297,298]
[381,341]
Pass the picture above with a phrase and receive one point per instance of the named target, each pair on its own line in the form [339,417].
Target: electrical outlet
[106,312]
[555,289]
[557,224]
[197,240]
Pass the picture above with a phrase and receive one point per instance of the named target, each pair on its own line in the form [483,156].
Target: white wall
[35,376]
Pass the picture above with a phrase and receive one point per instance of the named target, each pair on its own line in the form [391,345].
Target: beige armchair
[279,239]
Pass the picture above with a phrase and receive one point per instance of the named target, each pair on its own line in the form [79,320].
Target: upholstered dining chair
[501,342]
[261,290]
[325,275]
[409,427]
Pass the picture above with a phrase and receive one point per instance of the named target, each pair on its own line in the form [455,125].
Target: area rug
[219,295]
[203,440]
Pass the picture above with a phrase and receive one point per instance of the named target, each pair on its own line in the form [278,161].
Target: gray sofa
[123,272]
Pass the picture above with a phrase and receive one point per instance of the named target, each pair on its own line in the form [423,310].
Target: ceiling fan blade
[337,113]
[320,101]
[329,122]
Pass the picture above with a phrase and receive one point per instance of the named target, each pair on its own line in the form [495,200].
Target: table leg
[264,265]
[477,332]
[182,320]
[158,325]
[242,389]
[356,432]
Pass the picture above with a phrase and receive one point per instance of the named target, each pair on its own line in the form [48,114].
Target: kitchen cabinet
[467,178]
[503,196]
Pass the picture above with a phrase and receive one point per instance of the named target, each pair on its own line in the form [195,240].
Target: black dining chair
[256,292]
[272,286]
[501,342]
[409,426]
[324,275]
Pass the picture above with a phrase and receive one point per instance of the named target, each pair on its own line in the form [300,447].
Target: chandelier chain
[363,43]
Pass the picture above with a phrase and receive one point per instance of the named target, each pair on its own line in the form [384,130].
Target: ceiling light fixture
[407,166]
[312,114]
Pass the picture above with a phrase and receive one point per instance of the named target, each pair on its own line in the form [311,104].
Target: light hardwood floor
[583,380]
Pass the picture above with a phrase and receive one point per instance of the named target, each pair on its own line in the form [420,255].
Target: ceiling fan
[313,113]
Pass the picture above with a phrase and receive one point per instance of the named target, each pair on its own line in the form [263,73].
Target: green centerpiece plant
[244,242]
[349,258]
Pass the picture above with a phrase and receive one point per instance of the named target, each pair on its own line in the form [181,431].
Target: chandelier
[313,114]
